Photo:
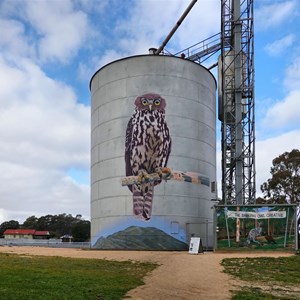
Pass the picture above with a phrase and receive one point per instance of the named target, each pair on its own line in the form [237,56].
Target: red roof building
[25,234]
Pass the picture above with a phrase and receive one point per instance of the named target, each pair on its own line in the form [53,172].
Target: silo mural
[148,146]
[152,115]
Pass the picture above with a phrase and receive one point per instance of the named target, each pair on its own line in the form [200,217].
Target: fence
[52,243]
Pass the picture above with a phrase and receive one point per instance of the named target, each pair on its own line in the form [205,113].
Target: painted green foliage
[263,233]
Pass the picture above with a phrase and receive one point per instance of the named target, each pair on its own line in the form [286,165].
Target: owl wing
[169,147]
[128,150]
[165,151]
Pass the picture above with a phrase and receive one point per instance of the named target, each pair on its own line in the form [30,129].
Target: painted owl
[147,149]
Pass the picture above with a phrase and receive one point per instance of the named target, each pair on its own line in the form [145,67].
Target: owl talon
[142,177]
[159,172]
[164,173]
[139,179]
[146,177]
[166,170]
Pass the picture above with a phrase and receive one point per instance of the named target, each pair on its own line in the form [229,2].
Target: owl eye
[144,101]
[157,102]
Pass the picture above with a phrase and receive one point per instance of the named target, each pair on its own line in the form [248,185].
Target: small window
[174,227]
[213,187]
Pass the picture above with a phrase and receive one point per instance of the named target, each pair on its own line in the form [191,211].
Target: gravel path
[179,276]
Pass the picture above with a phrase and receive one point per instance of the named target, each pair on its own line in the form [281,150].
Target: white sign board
[195,245]
[256,215]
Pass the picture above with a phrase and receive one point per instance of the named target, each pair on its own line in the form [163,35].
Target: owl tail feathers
[142,201]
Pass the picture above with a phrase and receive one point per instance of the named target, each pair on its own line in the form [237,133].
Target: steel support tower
[236,102]
[235,95]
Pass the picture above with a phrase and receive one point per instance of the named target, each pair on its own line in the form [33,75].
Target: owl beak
[150,107]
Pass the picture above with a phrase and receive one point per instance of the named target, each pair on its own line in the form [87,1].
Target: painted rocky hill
[140,238]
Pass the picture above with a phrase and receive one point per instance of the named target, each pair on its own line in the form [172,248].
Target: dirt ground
[179,276]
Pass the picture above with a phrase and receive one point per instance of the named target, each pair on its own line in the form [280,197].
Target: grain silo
[180,209]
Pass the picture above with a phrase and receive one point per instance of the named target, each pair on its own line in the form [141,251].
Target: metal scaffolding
[235,95]
[236,102]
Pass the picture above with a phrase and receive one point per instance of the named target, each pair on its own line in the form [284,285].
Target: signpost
[195,246]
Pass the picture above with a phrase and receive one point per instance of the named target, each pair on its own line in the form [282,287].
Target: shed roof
[39,232]
[25,232]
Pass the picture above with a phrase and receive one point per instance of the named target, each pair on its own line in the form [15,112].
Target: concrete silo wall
[180,209]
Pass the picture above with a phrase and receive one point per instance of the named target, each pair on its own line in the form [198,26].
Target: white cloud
[87,70]
[269,149]
[43,133]
[12,41]
[279,46]
[274,14]
[61,30]
[265,151]
[38,108]
[93,6]
[27,191]
[4,216]
[150,24]
[292,75]
[286,113]
[147,27]
[202,22]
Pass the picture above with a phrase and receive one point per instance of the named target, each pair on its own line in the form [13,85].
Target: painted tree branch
[168,174]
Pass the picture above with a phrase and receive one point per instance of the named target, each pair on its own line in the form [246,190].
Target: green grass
[269,272]
[36,277]
[256,294]
[290,244]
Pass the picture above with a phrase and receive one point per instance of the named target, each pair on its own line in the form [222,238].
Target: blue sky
[49,49]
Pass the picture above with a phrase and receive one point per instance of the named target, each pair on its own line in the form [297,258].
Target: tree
[12,224]
[81,231]
[284,186]
[59,225]
[261,200]
[30,223]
